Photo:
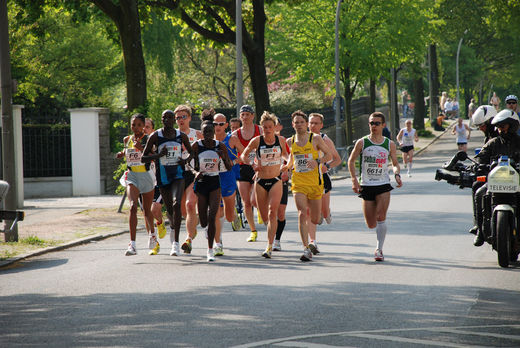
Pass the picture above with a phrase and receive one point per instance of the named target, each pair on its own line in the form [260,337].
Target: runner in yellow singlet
[307,182]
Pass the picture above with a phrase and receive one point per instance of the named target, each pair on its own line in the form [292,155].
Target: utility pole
[8,145]
[238,45]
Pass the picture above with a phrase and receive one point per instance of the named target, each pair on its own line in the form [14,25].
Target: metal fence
[46,150]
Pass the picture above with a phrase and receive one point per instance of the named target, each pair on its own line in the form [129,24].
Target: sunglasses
[511,102]
[219,123]
[183,117]
[374,123]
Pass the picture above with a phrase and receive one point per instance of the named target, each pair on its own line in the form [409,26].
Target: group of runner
[196,174]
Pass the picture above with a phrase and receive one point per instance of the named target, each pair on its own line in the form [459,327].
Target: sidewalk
[64,222]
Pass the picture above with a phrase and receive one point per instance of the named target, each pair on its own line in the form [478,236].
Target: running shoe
[236,224]
[276,245]
[176,250]
[252,237]
[267,252]
[161,229]
[314,248]
[321,220]
[378,255]
[186,246]
[329,219]
[218,250]
[259,217]
[307,255]
[211,255]
[155,249]
[131,250]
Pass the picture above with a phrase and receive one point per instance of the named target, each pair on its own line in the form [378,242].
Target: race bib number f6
[133,157]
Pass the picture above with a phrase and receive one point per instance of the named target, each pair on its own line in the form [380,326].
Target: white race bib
[209,165]
[300,163]
[270,156]
[172,157]
[133,157]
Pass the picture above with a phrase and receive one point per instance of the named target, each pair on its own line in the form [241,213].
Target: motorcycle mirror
[462,156]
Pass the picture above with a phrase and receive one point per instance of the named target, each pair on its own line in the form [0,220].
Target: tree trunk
[372,96]
[420,108]
[349,93]
[125,15]
[434,83]
[135,70]
[256,63]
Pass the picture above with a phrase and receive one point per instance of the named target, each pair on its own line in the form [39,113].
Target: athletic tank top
[461,133]
[408,137]
[133,156]
[209,160]
[374,162]
[245,142]
[269,155]
[233,155]
[166,167]
[301,156]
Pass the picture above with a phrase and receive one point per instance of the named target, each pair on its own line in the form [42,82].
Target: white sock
[409,166]
[381,234]
[172,236]
[154,234]
[132,242]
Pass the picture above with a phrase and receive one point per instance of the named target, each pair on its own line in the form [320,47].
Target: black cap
[247,108]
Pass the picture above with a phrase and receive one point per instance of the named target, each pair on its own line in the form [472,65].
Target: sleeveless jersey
[209,159]
[269,155]
[233,155]
[166,167]
[246,142]
[461,133]
[133,156]
[408,137]
[374,162]
[301,156]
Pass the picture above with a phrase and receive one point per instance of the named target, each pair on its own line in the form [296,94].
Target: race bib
[133,157]
[173,155]
[374,171]
[300,163]
[252,156]
[270,156]
[209,165]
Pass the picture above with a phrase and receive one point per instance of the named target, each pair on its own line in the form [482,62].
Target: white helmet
[483,114]
[504,116]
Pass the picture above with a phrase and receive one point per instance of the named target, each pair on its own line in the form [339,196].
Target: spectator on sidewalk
[495,101]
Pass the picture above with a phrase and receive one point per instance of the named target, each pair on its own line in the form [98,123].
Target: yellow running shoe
[267,252]
[252,236]
[259,218]
[161,229]
[155,249]
[186,246]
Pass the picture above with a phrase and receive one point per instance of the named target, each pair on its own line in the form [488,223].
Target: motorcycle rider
[481,118]
[507,143]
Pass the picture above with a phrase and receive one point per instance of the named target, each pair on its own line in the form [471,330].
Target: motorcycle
[501,201]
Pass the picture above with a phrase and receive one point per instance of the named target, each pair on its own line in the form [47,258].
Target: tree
[215,21]
[374,37]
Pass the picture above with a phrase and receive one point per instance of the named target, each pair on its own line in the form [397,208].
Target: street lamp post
[338,96]
[238,63]
[457,66]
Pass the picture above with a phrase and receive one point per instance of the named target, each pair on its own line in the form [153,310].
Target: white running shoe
[314,248]
[276,245]
[329,218]
[378,255]
[211,255]
[176,249]
[131,250]
[307,255]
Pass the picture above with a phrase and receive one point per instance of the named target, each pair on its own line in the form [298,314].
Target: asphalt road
[433,289]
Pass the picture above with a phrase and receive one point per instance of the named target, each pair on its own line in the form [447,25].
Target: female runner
[270,149]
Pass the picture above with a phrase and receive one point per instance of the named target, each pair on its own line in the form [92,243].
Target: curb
[85,240]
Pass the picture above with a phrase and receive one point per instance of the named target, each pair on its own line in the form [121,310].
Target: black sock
[279,229]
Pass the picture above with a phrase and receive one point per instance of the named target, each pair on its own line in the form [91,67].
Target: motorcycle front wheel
[503,233]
